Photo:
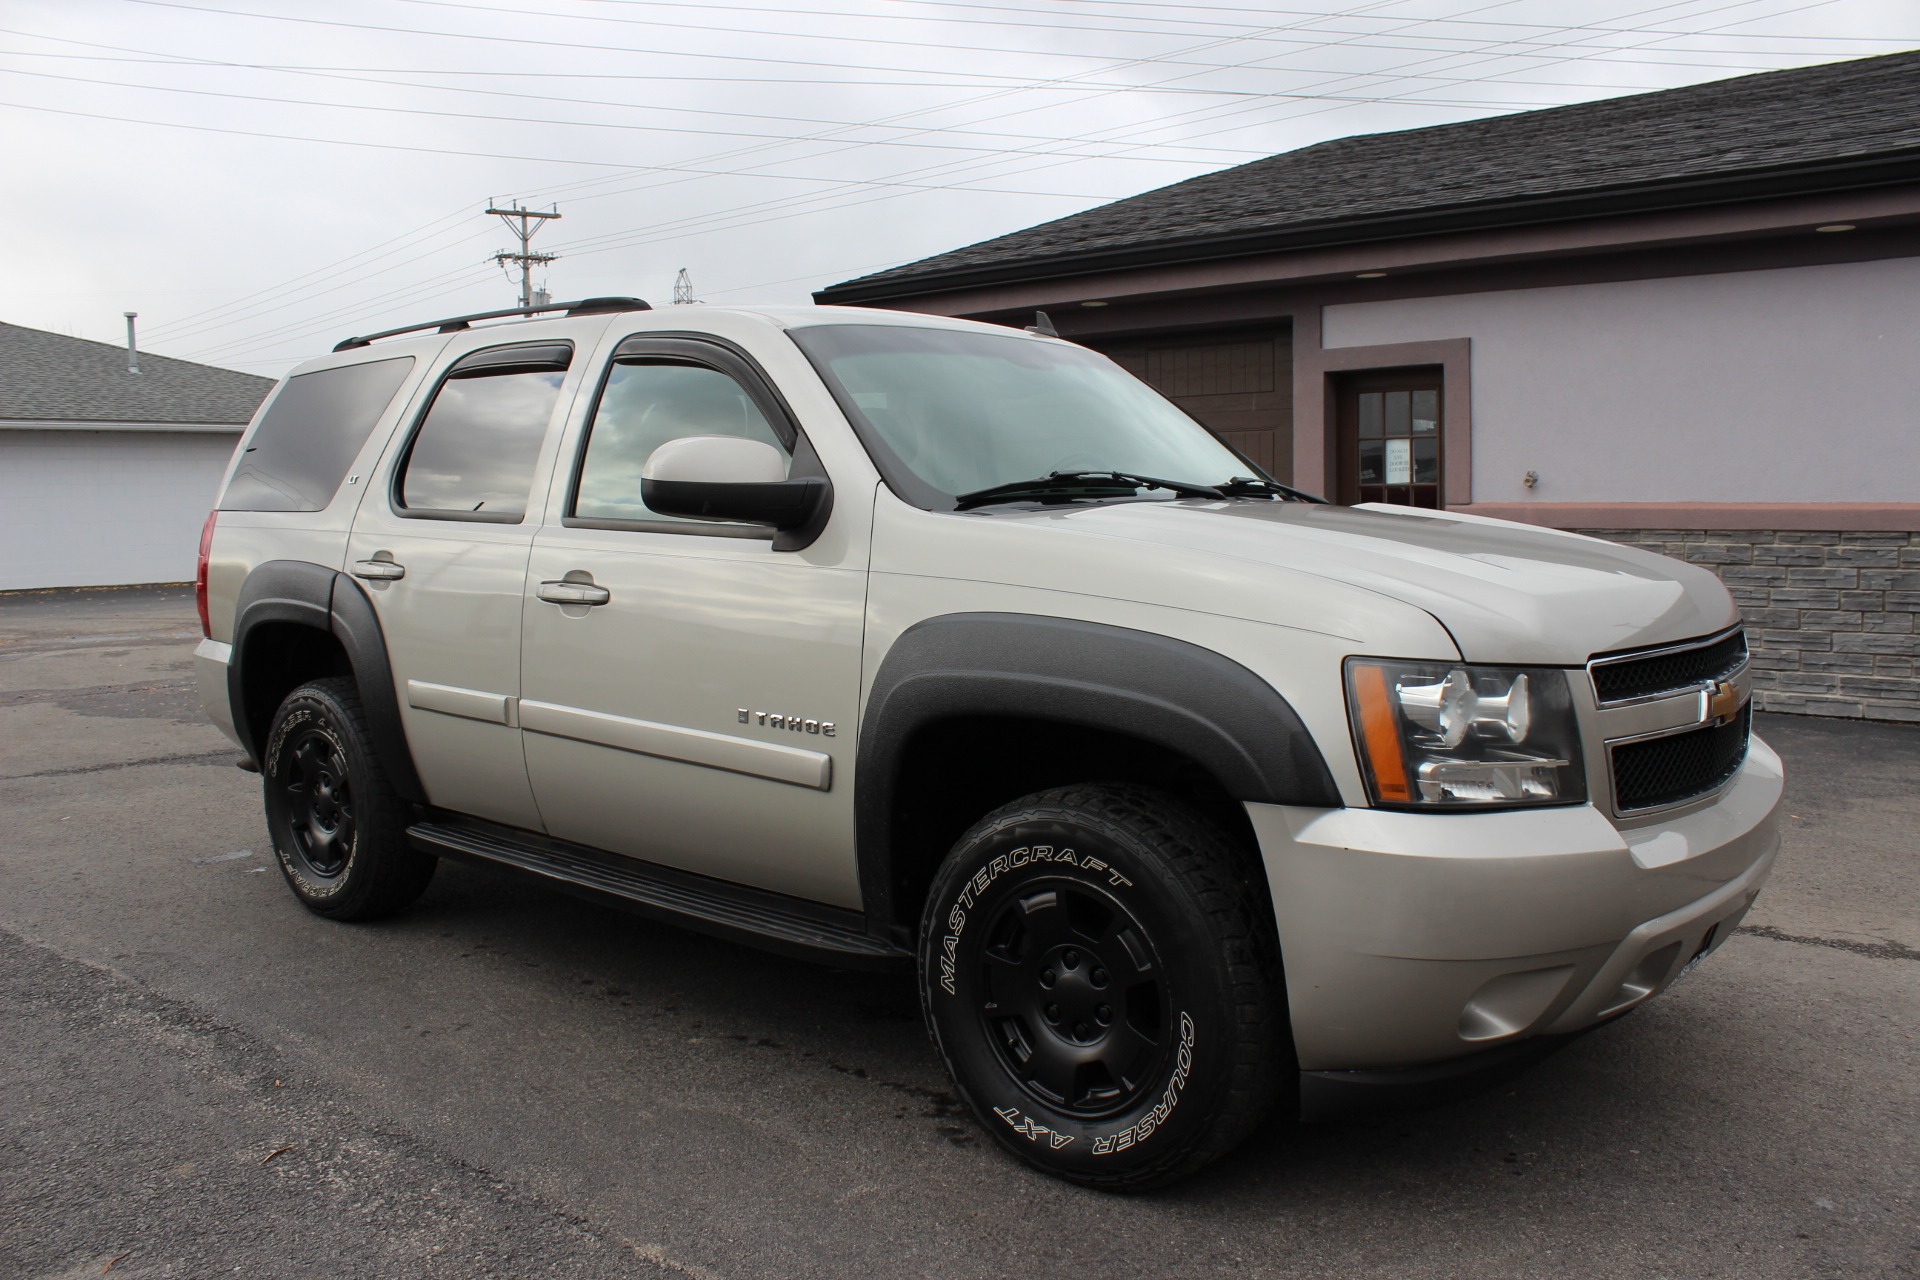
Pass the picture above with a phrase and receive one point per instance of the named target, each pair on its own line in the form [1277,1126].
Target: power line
[495,155]
[304,280]
[585,124]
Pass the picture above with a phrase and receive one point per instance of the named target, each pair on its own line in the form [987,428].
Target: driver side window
[643,406]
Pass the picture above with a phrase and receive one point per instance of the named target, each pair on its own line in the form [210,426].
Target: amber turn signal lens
[1379,734]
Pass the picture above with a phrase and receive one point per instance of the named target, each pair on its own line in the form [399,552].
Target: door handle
[378,570]
[572,593]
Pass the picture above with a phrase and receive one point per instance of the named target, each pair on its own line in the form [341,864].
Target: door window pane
[1397,412]
[1372,462]
[1369,414]
[1426,411]
[476,449]
[1426,460]
[301,451]
[643,407]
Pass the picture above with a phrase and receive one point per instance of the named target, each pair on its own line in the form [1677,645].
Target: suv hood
[1507,592]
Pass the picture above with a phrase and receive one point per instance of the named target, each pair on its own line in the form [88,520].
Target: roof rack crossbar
[454,324]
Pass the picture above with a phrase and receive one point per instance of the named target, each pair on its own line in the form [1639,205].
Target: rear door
[442,546]
[690,694]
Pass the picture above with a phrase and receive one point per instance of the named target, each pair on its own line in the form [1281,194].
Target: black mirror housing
[785,504]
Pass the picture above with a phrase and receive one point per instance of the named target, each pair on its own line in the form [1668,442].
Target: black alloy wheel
[318,794]
[1100,972]
[338,829]
[1071,994]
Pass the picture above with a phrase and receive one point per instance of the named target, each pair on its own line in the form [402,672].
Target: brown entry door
[1389,428]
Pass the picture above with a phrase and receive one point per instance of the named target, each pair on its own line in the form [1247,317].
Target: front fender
[1178,695]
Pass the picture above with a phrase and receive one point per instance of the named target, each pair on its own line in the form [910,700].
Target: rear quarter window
[312,431]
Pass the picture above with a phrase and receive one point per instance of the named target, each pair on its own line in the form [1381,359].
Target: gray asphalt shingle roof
[1701,138]
[52,377]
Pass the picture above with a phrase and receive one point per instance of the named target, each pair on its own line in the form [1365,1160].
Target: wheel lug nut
[1099,977]
[1053,1013]
[1104,1014]
[1047,977]
[1071,959]
[1082,1030]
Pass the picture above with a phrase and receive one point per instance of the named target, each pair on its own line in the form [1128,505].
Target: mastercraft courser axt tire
[337,827]
[1099,971]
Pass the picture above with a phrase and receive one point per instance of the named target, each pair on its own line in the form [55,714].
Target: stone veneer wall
[1831,617]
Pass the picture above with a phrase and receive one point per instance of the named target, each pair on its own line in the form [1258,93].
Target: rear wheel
[337,827]
[1100,975]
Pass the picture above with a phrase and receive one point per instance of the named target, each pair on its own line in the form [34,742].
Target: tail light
[200,574]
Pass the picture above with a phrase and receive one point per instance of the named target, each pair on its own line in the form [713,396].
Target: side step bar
[774,922]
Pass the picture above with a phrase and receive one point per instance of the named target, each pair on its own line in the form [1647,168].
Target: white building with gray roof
[106,474]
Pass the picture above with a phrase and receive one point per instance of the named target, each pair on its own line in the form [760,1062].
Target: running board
[775,922]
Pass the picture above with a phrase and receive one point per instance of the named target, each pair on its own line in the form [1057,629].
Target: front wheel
[337,826]
[1100,975]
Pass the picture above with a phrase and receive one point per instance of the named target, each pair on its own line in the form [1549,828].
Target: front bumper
[1413,938]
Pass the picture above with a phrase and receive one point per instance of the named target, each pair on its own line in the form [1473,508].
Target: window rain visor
[945,412]
[1447,735]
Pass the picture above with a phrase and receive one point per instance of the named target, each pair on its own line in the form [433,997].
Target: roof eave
[1851,173]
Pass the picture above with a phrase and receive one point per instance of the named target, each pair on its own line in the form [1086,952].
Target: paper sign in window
[1400,461]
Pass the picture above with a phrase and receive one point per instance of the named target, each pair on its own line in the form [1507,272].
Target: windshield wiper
[1066,482]
[1247,487]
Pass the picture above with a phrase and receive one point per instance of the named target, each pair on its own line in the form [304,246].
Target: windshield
[946,412]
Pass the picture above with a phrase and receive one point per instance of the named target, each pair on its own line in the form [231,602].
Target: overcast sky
[259,178]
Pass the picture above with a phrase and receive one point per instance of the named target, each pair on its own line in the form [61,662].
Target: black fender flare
[1178,695]
[310,595]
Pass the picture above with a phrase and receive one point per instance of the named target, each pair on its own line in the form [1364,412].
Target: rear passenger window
[473,456]
[301,451]
[643,407]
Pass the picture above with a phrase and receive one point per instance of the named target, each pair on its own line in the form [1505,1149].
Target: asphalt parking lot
[197,1077]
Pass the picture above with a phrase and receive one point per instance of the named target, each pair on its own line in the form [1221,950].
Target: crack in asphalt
[21,646]
[202,757]
[1877,950]
[23,697]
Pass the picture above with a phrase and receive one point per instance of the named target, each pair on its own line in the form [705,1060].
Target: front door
[690,694]
[443,555]
[1389,435]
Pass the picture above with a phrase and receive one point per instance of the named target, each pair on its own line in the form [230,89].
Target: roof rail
[453,324]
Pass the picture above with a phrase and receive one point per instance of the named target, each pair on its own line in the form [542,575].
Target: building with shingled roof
[1686,319]
[107,474]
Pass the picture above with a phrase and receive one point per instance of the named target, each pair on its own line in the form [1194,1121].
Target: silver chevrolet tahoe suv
[887,639]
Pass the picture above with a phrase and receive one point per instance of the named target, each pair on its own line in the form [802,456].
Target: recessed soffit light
[1093,303]
[1836,226]
[1370,275]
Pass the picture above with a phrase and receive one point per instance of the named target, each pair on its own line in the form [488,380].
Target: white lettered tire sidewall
[1173,1113]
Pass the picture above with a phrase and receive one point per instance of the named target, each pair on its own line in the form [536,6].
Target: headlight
[1450,735]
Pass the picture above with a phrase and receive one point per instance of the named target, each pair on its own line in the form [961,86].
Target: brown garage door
[1239,384]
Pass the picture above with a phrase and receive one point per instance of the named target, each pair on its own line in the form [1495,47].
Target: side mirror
[730,478]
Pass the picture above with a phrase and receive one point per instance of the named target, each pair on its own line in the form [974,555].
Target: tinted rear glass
[312,431]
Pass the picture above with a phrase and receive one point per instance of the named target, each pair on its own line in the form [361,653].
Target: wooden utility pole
[524,223]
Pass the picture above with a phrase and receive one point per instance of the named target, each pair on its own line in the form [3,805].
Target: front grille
[1663,771]
[1669,670]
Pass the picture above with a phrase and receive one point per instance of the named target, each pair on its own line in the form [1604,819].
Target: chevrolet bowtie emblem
[1724,701]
